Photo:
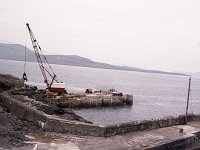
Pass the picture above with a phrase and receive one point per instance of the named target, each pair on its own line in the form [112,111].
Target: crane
[54,85]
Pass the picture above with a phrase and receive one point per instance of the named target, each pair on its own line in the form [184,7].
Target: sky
[149,34]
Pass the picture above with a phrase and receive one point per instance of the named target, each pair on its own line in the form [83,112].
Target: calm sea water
[155,95]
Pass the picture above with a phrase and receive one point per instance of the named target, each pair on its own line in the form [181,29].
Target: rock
[70,115]
[1,110]
[68,110]
[8,82]
[59,111]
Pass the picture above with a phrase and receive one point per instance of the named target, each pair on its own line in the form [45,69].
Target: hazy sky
[150,34]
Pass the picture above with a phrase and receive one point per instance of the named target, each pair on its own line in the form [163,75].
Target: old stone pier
[164,132]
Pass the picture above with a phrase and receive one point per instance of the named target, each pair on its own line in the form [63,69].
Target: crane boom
[55,87]
[36,48]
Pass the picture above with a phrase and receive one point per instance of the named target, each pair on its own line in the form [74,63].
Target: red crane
[55,87]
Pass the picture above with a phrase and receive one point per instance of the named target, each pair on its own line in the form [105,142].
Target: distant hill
[16,52]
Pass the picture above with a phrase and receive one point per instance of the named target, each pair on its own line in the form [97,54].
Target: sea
[154,95]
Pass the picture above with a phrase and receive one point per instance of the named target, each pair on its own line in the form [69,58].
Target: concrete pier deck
[162,139]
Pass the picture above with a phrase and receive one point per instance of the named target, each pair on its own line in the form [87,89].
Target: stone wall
[144,125]
[48,122]
[21,110]
[92,100]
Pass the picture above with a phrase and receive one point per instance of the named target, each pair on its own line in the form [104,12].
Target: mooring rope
[25,53]
[191,102]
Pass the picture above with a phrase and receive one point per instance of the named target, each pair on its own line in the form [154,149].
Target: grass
[44,138]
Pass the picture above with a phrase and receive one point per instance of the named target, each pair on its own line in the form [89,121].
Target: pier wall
[56,124]
[93,101]
[145,125]
[186,143]
[48,122]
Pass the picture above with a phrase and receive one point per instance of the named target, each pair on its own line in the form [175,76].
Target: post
[188,98]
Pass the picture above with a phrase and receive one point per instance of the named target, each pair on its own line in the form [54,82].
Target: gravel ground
[13,130]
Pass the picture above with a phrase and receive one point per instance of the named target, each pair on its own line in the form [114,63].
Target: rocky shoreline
[13,130]
[33,97]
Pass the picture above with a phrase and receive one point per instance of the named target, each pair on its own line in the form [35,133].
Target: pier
[165,133]
[96,99]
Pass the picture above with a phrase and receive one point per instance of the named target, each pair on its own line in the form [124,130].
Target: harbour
[100,75]
[180,132]
[155,95]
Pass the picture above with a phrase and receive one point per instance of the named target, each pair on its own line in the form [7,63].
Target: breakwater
[93,100]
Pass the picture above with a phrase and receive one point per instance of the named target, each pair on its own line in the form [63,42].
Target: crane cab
[57,87]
